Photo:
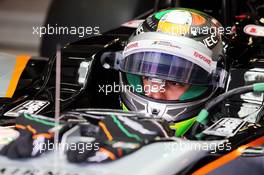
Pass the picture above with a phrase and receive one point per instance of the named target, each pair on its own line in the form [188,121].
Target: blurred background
[16,20]
[18,17]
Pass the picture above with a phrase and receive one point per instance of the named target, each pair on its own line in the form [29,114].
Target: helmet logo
[156,108]
[165,43]
[211,41]
[200,56]
[132,45]
[155,111]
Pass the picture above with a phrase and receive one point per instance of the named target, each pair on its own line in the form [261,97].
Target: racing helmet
[172,65]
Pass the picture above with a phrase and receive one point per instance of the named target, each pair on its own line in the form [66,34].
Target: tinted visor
[165,66]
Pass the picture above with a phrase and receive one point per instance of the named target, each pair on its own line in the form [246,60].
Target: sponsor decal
[254,30]
[165,43]
[29,107]
[225,127]
[211,41]
[132,23]
[151,23]
[131,46]
[202,57]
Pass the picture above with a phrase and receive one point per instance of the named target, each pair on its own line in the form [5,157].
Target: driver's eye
[174,83]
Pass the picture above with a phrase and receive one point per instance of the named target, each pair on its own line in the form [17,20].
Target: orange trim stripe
[228,157]
[31,129]
[106,131]
[45,135]
[109,153]
[20,127]
[21,62]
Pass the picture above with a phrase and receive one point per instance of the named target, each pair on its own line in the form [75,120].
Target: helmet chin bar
[158,110]
[162,110]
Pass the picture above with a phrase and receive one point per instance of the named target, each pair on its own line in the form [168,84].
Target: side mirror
[111,60]
[84,69]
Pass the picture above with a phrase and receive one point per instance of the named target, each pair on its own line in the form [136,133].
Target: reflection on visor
[165,66]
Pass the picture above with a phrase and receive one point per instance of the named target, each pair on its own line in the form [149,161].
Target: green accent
[124,107]
[258,87]
[39,121]
[135,81]
[182,127]
[201,118]
[199,136]
[159,15]
[123,129]
[192,92]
